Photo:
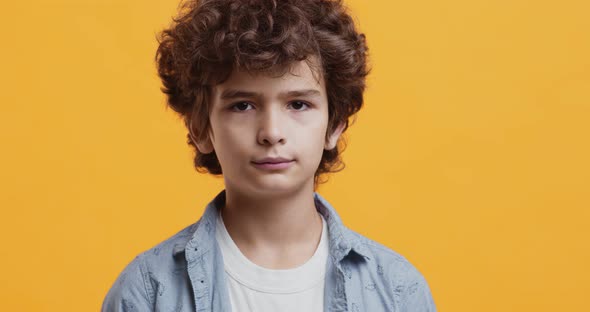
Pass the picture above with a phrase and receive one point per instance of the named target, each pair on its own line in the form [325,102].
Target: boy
[266,88]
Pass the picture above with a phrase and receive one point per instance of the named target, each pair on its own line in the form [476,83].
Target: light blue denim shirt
[186,273]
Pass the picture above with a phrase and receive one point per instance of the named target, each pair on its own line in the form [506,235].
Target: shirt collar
[341,239]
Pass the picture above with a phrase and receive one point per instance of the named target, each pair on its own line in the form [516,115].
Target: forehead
[298,75]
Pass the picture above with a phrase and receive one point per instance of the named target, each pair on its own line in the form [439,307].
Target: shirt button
[342,245]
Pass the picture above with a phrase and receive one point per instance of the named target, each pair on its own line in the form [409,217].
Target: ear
[334,136]
[205,146]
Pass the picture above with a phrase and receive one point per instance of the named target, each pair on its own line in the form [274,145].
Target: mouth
[272,160]
[274,165]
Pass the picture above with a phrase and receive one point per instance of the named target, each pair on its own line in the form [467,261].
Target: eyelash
[233,106]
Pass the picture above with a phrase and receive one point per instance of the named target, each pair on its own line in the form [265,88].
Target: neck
[278,227]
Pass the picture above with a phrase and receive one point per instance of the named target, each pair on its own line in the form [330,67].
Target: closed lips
[272,160]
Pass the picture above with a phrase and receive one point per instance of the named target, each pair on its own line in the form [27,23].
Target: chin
[275,187]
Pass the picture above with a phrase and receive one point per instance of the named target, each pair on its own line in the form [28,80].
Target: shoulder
[406,283]
[137,284]
[397,265]
[169,251]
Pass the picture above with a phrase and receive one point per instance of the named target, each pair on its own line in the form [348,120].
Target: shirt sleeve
[417,296]
[129,292]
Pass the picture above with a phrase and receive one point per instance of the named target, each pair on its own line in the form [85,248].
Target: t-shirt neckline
[262,279]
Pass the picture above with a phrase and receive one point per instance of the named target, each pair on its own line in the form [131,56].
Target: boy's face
[257,116]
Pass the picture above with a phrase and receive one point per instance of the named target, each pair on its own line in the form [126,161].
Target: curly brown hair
[208,39]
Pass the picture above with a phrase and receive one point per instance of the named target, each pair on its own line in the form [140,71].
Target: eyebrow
[232,93]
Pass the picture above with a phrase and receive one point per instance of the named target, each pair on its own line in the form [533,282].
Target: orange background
[470,157]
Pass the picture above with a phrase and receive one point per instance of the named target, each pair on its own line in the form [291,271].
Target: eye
[297,104]
[240,106]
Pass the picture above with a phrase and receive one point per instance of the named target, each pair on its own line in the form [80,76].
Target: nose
[270,127]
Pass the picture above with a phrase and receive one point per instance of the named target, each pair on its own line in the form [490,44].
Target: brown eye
[240,106]
[298,104]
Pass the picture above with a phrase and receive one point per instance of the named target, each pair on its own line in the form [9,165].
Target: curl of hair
[208,39]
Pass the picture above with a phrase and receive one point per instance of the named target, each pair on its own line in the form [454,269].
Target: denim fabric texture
[186,273]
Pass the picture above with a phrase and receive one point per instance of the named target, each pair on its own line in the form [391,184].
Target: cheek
[230,142]
[313,141]
[226,140]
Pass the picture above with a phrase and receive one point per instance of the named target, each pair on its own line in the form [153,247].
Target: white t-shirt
[253,288]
